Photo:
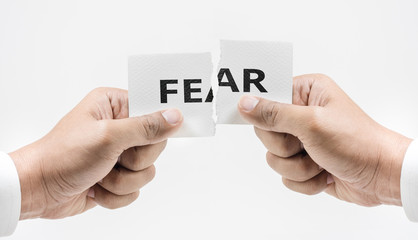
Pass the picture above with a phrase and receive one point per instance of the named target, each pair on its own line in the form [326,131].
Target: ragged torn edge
[214,91]
[217,57]
[215,86]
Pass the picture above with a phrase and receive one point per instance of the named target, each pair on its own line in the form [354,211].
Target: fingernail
[172,116]
[330,179]
[91,193]
[248,103]
[101,181]
[320,168]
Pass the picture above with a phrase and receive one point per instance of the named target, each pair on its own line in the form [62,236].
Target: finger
[121,181]
[139,158]
[144,130]
[312,186]
[278,117]
[110,200]
[297,168]
[280,144]
[103,96]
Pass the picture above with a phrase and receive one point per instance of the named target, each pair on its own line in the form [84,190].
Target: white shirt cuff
[409,182]
[9,195]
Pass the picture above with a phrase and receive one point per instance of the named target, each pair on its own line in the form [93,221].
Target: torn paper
[183,81]
[255,68]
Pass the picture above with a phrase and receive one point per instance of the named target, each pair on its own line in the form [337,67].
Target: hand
[325,142]
[95,155]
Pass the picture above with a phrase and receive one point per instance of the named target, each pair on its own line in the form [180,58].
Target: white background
[54,52]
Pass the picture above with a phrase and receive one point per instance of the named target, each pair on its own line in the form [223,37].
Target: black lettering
[231,82]
[188,90]
[164,91]
[209,97]
[256,81]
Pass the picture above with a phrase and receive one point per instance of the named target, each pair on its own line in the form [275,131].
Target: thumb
[275,116]
[146,129]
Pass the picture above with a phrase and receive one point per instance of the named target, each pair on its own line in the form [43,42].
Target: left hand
[94,155]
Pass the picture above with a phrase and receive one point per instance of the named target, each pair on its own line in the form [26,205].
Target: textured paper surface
[246,68]
[273,58]
[145,74]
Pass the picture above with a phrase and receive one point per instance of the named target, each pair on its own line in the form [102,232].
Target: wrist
[390,166]
[30,177]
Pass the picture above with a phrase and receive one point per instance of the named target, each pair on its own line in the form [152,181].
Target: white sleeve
[9,195]
[409,182]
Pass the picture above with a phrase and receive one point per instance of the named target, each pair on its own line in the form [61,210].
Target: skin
[95,155]
[325,142]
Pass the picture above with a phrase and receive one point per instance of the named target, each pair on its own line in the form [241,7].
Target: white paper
[246,68]
[145,75]
[274,59]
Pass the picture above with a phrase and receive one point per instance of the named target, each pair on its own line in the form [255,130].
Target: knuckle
[130,198]
[302,169]
[268,159]
[270,114]
[289,141]
[285,146]
[136,159]
[99,91]
[322,77]
[150,173]
[134,196]
[311,189]
[150,127]
[315,124]
[122,201]
[137,165]
[118,179]
[110,202]
[271,160]
[105,133]
[117,183]
[276,163]
[305,188]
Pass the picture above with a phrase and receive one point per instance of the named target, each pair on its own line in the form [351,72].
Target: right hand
[325,142]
